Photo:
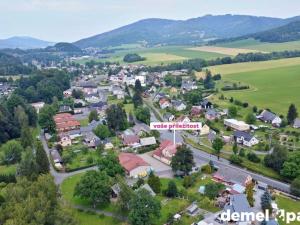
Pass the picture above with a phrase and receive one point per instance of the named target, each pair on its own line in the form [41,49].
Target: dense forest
[10,65]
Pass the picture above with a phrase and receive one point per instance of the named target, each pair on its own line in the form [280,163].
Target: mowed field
[222,50]
[274,88]
[159,55]
[261,46]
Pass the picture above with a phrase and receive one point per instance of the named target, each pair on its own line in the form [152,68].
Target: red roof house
[165,151]
[134,165]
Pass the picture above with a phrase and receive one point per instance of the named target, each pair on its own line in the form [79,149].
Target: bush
[253,157]
[206,169]
[235,159]
[242,152]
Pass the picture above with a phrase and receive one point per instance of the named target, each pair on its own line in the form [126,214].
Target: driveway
[161,169]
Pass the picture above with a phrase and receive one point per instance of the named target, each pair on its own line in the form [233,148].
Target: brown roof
[130,139]
[165,145]
[131,161]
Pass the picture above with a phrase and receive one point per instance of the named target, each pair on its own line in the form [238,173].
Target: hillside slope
[23,43]
[182,32]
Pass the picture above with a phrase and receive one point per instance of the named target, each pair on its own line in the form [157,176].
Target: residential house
[67,93]
[205,104]
[65,140]
[212,135]
[65,109]
[98,106]
[38,106]
[73,134]
[92,98]
[183,119]
[229,178]
[245,138]
[91,140]
[131,140]
[65,122]
[147,141]
[188,85]
[118,92]
[164,103]
[269,117]
[166,150]
[239,204]
[90,127]
[140,129]
[178,105]
[168,117]
[134,165]
[159,96]
[204,130]
[211,114]
[236,125]
[296,123]
[196,111]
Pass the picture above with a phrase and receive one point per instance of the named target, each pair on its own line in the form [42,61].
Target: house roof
[297,122]
[130,161]
[228,175]
[130,139]
[165,145]
[148,188]
[140,127]
[247,136]
[267,115]
[148,141]
[238,203]
[163,101]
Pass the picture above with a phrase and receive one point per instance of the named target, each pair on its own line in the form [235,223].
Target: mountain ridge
[24,42]
[156,31]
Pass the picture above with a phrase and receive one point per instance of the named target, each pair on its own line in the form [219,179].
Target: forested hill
[10,65]
[191,31]
[289,32]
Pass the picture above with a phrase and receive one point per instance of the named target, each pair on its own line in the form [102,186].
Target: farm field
[223,50]
[254,66]
[274,88]
[261,46]
[160,55]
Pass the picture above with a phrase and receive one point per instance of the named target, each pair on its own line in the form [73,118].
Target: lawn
[88,218]
[254,66]
[274,88]
[289,205]
[262,46]
[84,122]
[79,156]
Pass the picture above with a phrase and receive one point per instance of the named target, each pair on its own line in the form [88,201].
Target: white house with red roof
[134,165]
[166,150]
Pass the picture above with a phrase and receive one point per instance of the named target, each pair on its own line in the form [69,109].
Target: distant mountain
[23,43]
[288,32]
[63,47]
[191,31]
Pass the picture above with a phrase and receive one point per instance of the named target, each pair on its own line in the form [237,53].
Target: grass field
[254,66]
[160,55]
[288,205]
[222,50]
[273,88]
[262,46]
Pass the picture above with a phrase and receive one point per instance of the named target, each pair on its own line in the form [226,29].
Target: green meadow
[262,46]
[159,55]
[274,88]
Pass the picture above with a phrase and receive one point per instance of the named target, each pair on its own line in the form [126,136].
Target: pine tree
[41,159]
[266,200]
[292,114]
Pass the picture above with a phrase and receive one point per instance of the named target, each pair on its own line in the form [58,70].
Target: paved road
[59,177]
[200,157]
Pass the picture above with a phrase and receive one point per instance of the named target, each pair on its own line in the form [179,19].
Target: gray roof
[247,136]
[267,115]
[229,175]
[211,112]
[167,115]
[238,203]
[56,156]
[148,188]
[297,122]
[89,128]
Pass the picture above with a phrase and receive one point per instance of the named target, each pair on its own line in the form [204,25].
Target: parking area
[160,168]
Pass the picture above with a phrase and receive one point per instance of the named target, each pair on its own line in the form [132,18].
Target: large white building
[236,125]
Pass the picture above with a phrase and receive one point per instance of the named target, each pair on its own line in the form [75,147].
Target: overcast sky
[70,20]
